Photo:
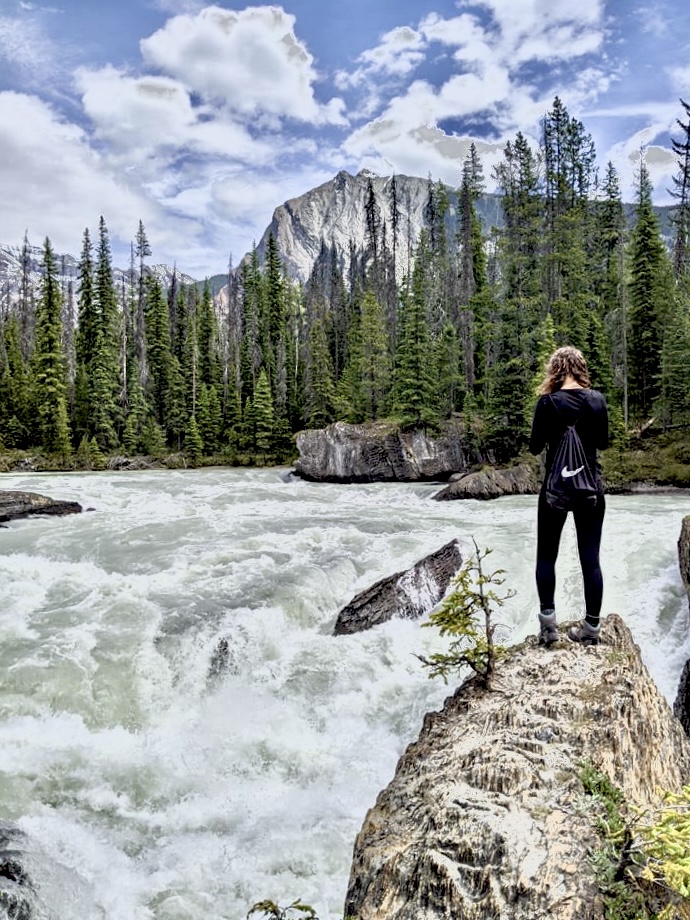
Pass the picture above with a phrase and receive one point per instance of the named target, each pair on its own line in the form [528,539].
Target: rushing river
[152,787]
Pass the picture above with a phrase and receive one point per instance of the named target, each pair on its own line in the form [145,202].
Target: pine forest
[453,325]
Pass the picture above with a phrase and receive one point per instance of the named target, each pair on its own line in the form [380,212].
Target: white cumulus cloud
[250,61]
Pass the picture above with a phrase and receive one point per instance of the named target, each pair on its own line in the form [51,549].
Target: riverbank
[659,463]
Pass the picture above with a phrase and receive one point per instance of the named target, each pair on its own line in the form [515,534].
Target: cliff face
[485,816]
[371,453]
[334,213]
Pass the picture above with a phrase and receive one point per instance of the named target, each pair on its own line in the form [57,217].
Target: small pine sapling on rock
[467,615]
[268,909]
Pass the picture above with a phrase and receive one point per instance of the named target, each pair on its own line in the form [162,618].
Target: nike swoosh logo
[566,473]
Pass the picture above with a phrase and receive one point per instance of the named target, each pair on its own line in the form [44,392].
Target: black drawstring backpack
[570,483]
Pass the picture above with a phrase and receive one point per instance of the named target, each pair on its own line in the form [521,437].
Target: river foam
[163,790]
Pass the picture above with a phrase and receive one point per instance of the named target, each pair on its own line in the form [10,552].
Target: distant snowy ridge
[68,272]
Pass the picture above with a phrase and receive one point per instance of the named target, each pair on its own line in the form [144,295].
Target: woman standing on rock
[566,400]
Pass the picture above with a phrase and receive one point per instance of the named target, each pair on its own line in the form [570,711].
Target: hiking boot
[585,633]
[548,631]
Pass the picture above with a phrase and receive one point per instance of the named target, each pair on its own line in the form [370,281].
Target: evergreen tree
[263,413]
[651,299]
[372,360]
[103,367]
[673,405]
[681,192]
[207,340]
[157,349]
[193,444]
[450,380]
[15,388]
[141,251]
[48,361]
[319,390]
[26,307]
[414,386]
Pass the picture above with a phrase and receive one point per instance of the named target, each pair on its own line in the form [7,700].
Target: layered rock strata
[411,593]
[486,817]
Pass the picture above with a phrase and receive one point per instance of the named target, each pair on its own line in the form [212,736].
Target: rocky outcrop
[491,483]
[333,214]
[375,453]
[16,889]
[485,816]
[409,594]
[15,505]
[681,706]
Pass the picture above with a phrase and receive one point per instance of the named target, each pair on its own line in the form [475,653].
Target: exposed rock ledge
[15,505]
[681,706]
[377,453]
[485,816]
[410,594]
[491,483]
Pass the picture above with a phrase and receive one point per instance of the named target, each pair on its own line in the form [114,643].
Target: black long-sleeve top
[550,421]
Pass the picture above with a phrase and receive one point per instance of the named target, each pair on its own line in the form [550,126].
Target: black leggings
[588,523]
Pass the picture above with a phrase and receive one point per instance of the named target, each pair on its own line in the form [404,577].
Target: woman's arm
[537,439]
[602,430]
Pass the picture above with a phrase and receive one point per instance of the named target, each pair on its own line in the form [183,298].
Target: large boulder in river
[15,505]
[486,816]
[492,483]
[376,452]
[410,594]
[681,706]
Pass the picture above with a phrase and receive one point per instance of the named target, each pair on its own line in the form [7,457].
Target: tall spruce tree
[651,299]
[49,363]
[415,387]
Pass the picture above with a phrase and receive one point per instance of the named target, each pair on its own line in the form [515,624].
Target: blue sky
[200,119]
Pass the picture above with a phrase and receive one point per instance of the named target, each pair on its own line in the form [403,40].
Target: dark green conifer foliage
[103,368]
[153,438]
[319,389]
[83,455]
[96,455]
[372,360]
[48,361]
[569,172]
[450,378]
[176,404]
[15,388]
[207,340]
[673,405]
[275,295]
[415,386]
[193,444]
[141,251]
[651,299]
[157,349]
[681,192]
[136,417]
[263,414]
[520,239]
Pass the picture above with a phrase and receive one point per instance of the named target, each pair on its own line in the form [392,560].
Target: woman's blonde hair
[564,361]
